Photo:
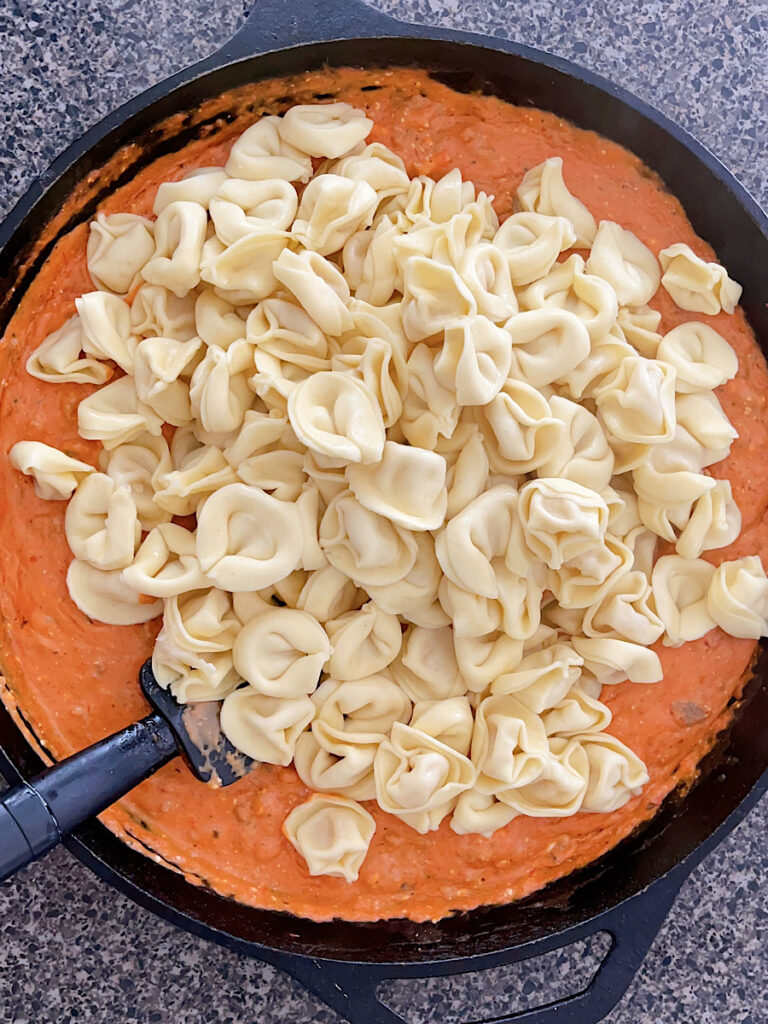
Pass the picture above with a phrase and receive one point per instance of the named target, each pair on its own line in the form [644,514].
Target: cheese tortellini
[55,474]
[332,834]
[621,259]
[737,598]
[695,284]
[543,190]
[246,539]
[119,245]
[60,358]
[407,486]
[336,415]
[395,476]
[281,652]
[101,524]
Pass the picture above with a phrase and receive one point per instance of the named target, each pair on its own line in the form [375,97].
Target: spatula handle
[35,815]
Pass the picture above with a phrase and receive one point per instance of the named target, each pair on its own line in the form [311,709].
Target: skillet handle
[352,989]
[274,24]
[36,815]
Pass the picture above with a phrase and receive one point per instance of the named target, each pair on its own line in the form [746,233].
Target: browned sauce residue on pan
[76,680]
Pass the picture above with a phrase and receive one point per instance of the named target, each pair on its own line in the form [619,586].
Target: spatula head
[197,729]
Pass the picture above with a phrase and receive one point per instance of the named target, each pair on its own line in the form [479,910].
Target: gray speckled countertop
[71,949]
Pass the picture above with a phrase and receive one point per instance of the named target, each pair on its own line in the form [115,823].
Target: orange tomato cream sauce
[75,681]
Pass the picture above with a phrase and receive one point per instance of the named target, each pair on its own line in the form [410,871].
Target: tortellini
[467,468]
[427,668]
[197,471]
[179,237]
[546,344]
[166,564]
[701,357]
[219,394]
[695,284]
[284,330]
[714,522]
[430,410]
[584,454]
[621,259]
[367,547]
[418,778]
[119,245]
[265,728]
[543,190]
[474,548]
[106,324]
[262,153]
[576,713]
[531,243]
[332,209]
[336,415]
[474,361]
[319,288]
[332,834]
[509,744]
[370,263]
[542,679]
[244,270]
[140,464]
[364,642]
[737,598]
[485,271]
[101,523]
[480,813]
[396,476]
[380,365]
[623,610]
[103,596]
[241,207]
[482,659]
[59,358]
[615,773]
[519,429]
[325,129]
[159,313]
[382,169]
[407,486]
[197,186]
[160,366]
[246,539]
[115,415]
[434,295]
[567,286]
[613,661]
[55,474]
[561,519]
[281,652]
[450,721]
[415,596]
[352,718]
[680,588]
[637,403]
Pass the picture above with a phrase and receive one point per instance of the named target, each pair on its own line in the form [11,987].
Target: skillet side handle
[352,989]
[274,24]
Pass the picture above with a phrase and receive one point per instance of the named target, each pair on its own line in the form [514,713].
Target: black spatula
[35,815]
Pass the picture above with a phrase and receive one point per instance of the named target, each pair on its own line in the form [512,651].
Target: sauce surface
[75,681]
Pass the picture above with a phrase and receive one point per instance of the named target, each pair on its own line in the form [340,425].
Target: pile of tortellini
[405,523]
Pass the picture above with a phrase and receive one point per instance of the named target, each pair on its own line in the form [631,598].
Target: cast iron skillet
[629,892]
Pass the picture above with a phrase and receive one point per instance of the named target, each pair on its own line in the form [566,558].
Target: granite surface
[71,949]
